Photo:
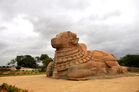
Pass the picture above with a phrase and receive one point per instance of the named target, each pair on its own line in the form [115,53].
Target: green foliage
[45,61]
[130,60]
[31,62]
[10,88]
[12,62]
[26,61]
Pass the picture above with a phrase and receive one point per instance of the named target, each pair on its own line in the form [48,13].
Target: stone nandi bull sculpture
[73,60]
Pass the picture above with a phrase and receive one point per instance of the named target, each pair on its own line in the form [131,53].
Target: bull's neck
[66,57]
[66,48]
[67,52]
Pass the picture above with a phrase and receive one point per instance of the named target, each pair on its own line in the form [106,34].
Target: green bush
[130,60]
[10,88]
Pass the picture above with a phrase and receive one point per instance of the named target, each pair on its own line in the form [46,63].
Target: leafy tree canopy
[31,62]
[24,61]
[130,60]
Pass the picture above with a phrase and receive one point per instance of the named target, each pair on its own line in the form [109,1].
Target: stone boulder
[73,60]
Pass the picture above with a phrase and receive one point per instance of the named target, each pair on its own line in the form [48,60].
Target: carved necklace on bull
[71,56]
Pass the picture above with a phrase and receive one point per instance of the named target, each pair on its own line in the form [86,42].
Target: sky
[27,26]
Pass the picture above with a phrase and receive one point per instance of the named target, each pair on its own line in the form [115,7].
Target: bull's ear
[75,41]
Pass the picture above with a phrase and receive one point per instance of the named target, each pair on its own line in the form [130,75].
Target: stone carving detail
[73,60]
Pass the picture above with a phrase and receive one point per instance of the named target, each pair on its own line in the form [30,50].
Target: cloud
[73,5]
[48,27]
[28,26]
[3,46]
[2,28]
[119,41]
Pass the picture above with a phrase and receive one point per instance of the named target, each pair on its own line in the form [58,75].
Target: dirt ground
[40,83]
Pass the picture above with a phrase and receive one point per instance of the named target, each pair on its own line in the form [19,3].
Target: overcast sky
[27,26]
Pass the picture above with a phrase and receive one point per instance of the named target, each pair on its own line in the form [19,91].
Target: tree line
[130,61]
[31,62]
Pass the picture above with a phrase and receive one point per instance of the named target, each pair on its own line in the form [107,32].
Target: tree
[12,62]
[45,61]
[31,62]
[130,60]
[26,61]
[37,58]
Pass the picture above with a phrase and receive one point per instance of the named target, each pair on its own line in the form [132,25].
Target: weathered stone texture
[73,60]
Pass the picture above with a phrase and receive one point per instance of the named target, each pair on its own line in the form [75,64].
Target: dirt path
[39,83]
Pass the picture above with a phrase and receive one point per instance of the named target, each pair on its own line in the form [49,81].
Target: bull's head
[64,40]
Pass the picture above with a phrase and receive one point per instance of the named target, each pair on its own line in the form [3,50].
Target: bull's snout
[53,42]
[56,43]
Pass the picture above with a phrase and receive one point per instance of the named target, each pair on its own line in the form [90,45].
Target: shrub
[10,88]
[130,60]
